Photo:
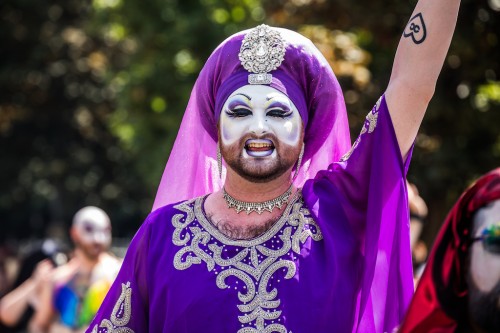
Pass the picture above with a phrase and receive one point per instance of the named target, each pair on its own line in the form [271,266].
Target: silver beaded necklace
[258,207]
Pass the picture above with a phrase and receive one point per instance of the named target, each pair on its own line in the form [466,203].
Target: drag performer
[265,220]
[72,293]
[460,287]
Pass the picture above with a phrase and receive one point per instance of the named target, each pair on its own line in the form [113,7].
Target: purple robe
[338,260]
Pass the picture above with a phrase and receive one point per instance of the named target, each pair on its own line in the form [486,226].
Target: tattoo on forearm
[416,29]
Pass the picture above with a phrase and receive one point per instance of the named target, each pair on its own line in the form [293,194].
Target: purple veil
[304,76]
[354,277]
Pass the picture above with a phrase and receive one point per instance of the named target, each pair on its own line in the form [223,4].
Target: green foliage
[459,139]
[155,51]
[93,93]
[92,97]
[57,151]
[487,95]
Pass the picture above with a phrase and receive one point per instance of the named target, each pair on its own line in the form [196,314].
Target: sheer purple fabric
[338,261]
[305,76]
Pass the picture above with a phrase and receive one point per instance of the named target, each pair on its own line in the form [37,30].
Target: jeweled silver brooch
[262,50]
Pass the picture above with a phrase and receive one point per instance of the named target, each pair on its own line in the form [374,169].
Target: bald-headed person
[73,293]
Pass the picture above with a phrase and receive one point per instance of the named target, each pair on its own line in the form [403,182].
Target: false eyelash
[238,112]
[279,113]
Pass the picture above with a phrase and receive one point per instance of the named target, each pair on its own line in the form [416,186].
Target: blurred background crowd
[92,93]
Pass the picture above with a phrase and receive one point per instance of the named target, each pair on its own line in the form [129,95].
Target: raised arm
[419,59]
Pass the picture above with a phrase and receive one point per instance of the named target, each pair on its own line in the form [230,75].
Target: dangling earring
[299,163]
[219,160]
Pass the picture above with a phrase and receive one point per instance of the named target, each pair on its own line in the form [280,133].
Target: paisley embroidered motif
[259,263]
[368,127]
[122,312]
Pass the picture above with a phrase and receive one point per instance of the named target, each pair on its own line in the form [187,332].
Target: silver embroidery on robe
[368,127]
[255,265]
[122,312]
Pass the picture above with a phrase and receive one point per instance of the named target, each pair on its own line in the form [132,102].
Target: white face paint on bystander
[91,231]
[483,276]
[261,133]
[484,265]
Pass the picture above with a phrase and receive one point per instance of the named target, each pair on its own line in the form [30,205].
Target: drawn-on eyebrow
[247,97]
[275,96]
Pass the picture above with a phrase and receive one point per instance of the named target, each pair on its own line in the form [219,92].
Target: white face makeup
[260,112]
[93,227]
[484,265]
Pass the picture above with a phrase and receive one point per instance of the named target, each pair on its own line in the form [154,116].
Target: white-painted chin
[263,153]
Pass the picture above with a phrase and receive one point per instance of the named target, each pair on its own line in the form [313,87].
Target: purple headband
[280,81]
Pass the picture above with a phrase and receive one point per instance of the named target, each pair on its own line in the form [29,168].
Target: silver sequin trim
[368,127]
[254,265]
[122,312]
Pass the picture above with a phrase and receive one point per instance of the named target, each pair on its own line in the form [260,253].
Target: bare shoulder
[107,267]
[109,258]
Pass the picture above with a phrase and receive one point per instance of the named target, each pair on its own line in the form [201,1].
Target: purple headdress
[280,58]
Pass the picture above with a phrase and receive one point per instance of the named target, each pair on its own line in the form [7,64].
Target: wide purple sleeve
[362,203]
[125,307]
